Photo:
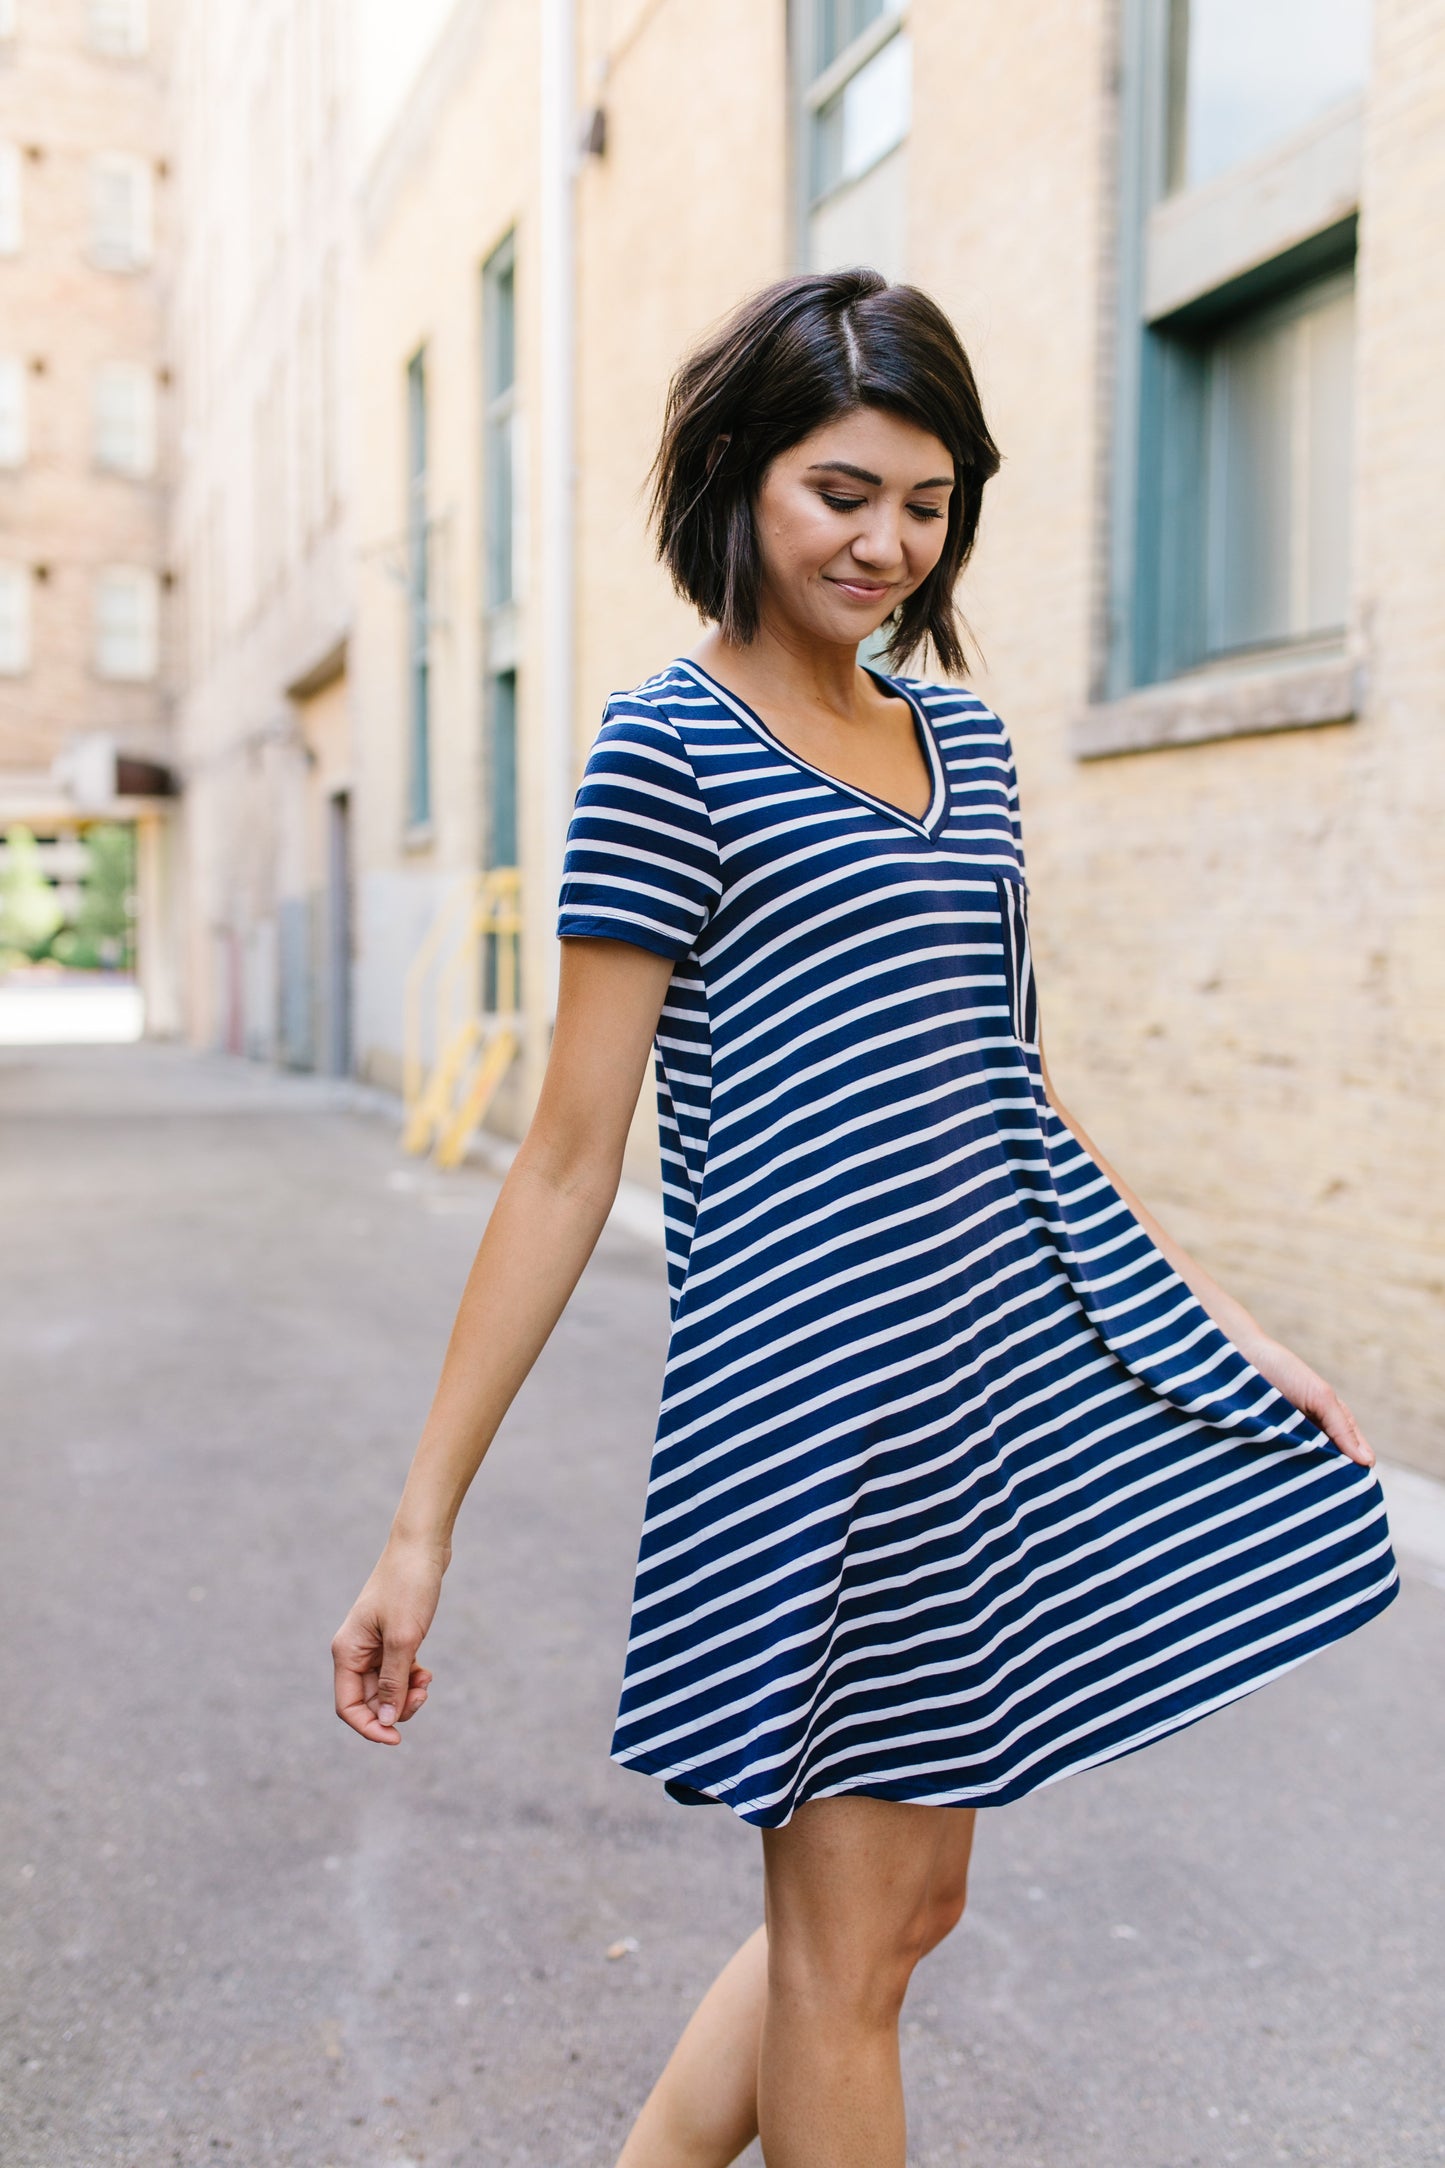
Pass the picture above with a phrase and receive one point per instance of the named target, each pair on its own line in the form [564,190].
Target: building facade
[1187,250]
[86,607]
[260,533]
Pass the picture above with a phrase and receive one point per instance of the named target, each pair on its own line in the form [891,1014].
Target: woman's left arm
[1286,1371]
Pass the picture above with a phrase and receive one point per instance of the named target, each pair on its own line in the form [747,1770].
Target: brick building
[259,532]
[86,657]
[1192,251]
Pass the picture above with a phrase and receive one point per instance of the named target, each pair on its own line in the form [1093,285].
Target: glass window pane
[1253,74]
[502,771]
[867,119]
[125,419]
[499,290]
[1330,345]
[118,26]
[1278,475]
[1249,512]
[126,623]
[418,598]
[120,213]
[840,22]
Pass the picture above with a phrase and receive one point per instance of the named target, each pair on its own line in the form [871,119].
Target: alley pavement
[233,1932]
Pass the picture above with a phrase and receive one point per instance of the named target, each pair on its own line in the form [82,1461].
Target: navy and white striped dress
[957,1487]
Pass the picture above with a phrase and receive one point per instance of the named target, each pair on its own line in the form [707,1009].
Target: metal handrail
[472,1045]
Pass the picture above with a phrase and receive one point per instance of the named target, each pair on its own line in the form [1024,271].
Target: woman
[967,1476]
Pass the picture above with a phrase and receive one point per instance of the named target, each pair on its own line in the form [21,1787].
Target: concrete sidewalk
[234,1932]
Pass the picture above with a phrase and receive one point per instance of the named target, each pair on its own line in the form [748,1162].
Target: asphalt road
[232,1932]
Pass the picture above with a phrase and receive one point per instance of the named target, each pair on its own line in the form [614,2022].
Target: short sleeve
[1011,781]
[641,862]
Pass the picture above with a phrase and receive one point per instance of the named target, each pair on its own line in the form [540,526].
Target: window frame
[502,599]
[1152,683]
[136,469]
[134,42]
[811,88]
[418,602]
[140,250]
[144,583]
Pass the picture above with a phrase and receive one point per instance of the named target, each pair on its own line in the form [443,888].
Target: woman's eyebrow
[861,474]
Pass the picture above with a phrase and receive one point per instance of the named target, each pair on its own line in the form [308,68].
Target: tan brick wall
[64,104]
[653,277]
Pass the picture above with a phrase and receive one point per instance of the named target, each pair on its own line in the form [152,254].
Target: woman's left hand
[1292,1376]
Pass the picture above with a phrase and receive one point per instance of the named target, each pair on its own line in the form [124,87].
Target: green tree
[101,934]
[29,908]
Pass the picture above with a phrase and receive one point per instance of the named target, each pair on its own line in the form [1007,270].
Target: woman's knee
[946,1905]
[847,1977]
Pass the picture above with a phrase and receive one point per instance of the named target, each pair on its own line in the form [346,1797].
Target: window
[10,222]
[14,437]
[863,121]
[1234,401]
[127,618]
[502,836]
[503,502]
[499,392]
[1277,471]
[417,589]
[120,233]
[14,620]
[1243,77]
[125,418]
[118,27]
[854,59]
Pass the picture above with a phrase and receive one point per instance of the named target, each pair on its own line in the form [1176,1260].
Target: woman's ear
[716,449]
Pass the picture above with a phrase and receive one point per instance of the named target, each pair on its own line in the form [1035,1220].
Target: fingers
[393,1685]
[1337,1419]
[378,1684]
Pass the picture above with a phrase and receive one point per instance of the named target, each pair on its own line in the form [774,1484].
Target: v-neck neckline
[924,824]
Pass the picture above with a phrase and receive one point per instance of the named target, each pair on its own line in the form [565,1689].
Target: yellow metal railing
[476,1030]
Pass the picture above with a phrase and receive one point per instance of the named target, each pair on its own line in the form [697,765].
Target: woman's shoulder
[956,711]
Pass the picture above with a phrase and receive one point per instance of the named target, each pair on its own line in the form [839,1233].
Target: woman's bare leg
[703,2111]
[851,1888]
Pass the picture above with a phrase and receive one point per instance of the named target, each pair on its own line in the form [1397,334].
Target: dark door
[338,935]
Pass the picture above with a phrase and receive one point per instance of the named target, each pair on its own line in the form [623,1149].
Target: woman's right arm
[542,1230]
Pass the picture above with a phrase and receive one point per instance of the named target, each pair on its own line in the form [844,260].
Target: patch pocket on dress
[1023,999]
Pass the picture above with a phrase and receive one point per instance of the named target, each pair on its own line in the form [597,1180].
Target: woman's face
[850,521]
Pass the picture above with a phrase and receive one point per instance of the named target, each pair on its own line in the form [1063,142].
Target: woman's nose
[878,541]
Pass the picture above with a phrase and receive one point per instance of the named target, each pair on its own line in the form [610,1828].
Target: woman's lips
[860,590]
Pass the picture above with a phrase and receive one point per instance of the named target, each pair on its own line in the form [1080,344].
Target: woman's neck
[791,670]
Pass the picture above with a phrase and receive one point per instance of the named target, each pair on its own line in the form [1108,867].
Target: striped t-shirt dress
[957,1487]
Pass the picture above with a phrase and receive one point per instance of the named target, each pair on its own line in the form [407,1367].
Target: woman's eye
[840,504]
[925,511]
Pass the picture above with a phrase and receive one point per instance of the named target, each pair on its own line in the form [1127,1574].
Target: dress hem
[907,1791]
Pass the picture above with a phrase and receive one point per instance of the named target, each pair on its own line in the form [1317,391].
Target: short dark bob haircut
[790,358]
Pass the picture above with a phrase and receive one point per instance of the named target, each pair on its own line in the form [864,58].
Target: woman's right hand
[379,1683]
